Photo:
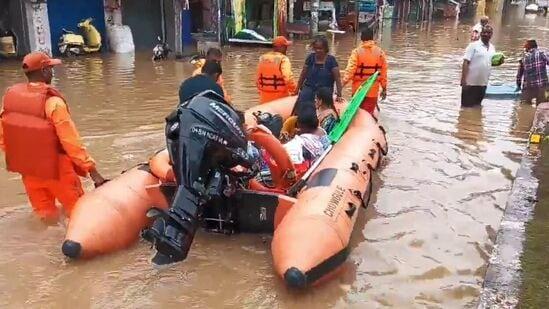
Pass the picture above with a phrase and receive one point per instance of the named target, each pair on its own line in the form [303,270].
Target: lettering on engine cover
[209,135]
[227,117]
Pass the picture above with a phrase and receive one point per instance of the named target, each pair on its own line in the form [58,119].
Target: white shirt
[480,63]
[313,143]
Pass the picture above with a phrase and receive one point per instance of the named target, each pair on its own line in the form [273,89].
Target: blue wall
[67,14]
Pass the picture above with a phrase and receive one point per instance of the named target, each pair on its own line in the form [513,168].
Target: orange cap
[281,41]
[37,61]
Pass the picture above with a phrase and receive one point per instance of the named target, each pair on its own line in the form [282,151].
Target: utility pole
[162,21]
[315,5]
[178,45]
[219,20]
[357,22]
[291,11]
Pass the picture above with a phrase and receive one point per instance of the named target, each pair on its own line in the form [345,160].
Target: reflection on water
[469,125]
[424,240]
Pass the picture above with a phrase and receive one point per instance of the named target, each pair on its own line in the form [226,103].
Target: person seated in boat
[207,80]
[289,128]
[309,142]
[304,148]
[326,112]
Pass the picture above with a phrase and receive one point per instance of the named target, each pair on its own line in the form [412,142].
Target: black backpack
[272,122]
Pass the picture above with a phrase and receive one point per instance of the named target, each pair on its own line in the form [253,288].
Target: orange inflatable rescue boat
[312,220]
[313,238]
[110,217]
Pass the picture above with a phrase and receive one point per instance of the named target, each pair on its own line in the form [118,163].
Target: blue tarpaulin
[502,91]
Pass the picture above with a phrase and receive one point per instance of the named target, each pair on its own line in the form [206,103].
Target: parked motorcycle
[89,41]
[161,50]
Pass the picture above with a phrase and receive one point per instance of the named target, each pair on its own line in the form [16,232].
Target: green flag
[349,114]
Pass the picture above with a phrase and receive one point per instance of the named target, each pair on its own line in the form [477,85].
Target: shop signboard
[324,6]
[366,9]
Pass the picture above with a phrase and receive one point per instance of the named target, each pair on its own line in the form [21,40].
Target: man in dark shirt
[202,82]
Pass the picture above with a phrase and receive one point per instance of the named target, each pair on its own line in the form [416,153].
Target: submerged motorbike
[161,50]
[206,141]
[89,41]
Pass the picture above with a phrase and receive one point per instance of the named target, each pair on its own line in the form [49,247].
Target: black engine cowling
[205,139]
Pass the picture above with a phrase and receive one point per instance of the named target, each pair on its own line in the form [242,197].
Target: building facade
[28,23]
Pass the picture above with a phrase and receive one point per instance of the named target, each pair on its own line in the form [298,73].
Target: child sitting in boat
[309,142]
[289,129]
[326,112]
[306,146]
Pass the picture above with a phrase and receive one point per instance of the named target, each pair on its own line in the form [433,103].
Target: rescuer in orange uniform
[41,142]
[274,73]
[214,54]
[363,63]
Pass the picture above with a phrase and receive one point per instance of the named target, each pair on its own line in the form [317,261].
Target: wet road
[424,240]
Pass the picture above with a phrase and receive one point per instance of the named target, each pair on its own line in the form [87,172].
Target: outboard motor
[205,140]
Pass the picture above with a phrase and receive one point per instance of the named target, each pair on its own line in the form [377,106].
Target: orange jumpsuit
[365,61]
[274,77]
[199,64]
[73,161]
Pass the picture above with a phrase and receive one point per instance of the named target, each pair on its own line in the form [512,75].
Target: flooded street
[424,241]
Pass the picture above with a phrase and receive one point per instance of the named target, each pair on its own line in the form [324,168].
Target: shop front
[257,21]
[12,33]
[145,18]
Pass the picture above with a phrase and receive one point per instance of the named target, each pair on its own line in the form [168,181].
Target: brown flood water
[423,242]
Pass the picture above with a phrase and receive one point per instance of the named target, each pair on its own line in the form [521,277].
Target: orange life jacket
[369,61]
[32,145]
[269,77]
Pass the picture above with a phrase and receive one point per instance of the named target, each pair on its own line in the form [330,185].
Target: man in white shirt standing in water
[477,66]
